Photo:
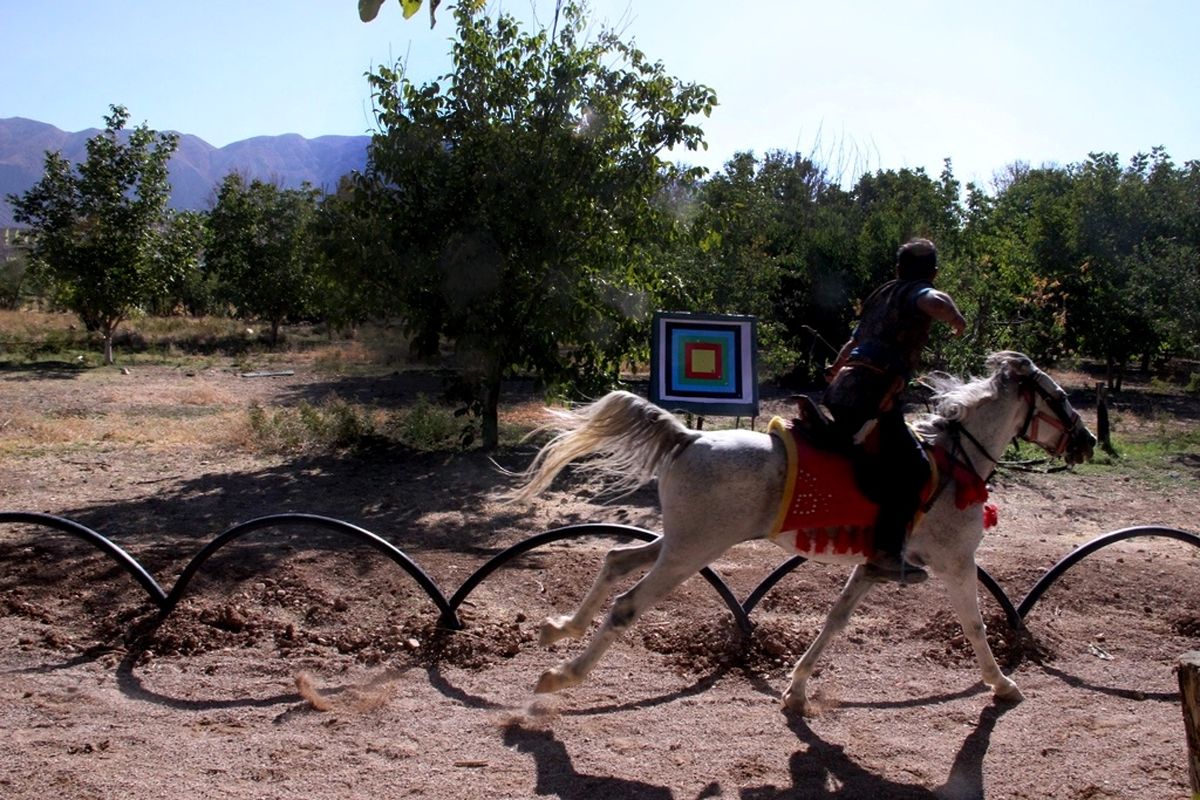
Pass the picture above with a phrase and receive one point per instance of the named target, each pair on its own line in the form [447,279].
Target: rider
[865,382]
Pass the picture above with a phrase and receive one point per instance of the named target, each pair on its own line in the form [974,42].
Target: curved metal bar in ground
[1010,611]
[126,561]
[276,520]
[1055,572]
[768,583]
[589,529]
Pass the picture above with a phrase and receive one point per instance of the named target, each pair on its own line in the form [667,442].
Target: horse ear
[1010,364]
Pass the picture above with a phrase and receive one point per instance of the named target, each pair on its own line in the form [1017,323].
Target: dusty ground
[302,664]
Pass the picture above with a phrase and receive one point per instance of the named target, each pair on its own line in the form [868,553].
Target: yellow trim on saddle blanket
[780,428]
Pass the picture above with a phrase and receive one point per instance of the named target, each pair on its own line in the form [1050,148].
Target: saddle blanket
[824,513]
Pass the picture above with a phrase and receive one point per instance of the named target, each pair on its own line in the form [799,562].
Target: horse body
[723,488]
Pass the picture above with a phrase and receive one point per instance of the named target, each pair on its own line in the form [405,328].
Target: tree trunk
[491,413]
[1189,693]
[107,330]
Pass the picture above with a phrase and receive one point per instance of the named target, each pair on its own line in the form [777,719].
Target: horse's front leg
[962,587]
[855,590]
[618,562]
[647,592]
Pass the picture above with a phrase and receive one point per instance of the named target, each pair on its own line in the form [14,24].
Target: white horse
[720,488]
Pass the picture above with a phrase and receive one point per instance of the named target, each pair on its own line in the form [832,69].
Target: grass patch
[335,424]
[1158,457]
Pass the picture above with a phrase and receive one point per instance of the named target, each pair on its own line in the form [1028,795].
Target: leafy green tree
[13,269]
[190,288]
[100,231]
[351,236]
[528,201]
[1018,252]
[263,250]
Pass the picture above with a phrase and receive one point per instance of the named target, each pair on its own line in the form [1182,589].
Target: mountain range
[197,167]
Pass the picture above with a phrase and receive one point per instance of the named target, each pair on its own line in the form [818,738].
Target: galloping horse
[720,488]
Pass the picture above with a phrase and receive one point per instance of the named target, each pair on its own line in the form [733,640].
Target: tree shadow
[823,770]
[42,371]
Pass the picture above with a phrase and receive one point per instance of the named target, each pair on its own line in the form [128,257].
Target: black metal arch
[449,608]
[123,559]
[740,615]
[449,618]
[1055,572]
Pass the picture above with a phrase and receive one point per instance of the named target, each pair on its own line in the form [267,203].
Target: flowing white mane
[953,398]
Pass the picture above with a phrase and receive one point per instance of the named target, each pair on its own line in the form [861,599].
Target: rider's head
[916,260]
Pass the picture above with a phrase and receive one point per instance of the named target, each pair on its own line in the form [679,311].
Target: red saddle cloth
[822,511]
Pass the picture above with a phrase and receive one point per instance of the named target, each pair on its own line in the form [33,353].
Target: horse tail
[629,436]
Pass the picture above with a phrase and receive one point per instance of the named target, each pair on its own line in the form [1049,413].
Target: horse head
[1049,420]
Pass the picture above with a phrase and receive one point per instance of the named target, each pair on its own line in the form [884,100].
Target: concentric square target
[704,363]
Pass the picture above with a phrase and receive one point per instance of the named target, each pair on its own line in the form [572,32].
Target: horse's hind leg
[855,590]
[618,562]
[963,590]
[671,569]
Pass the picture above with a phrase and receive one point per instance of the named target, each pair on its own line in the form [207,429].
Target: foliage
[336,424]
[263,250]
[101,235]
[523,195]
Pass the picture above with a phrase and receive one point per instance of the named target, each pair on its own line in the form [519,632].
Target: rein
[957,453]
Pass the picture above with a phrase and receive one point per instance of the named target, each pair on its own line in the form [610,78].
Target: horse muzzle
[1081,446]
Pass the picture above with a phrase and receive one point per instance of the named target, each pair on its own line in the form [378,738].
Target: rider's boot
[891,529]
[889,567]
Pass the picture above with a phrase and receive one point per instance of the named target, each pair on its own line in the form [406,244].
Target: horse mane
[953,398]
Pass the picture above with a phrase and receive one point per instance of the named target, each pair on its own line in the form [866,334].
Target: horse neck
[992,423]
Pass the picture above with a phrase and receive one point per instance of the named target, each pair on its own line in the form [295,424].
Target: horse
[721,488]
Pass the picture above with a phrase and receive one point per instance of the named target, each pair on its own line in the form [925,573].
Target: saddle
[824,512]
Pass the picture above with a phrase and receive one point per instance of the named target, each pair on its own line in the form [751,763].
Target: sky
[858,85]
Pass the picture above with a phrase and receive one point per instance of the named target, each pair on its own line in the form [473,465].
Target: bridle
[1060,417]
[1064,421]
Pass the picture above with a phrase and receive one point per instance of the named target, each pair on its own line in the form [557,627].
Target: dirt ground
[301,663]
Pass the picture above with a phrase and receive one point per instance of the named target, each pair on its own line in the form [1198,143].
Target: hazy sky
[860,85]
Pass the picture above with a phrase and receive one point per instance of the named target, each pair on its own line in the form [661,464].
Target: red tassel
[991,516]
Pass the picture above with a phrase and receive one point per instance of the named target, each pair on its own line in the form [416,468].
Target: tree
[369,9]
[98,230]
[262,249]
[525,197]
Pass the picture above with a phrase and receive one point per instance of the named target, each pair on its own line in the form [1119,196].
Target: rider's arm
[941,307]
[842,357]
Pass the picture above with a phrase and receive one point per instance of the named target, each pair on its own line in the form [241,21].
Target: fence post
[1102,427]
[1189,693]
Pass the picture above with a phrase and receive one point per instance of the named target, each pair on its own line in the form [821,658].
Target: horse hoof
[553,629]
[795,702]
[1008,692]
[553,680]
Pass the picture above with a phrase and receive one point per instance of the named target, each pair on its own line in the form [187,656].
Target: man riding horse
[871,370]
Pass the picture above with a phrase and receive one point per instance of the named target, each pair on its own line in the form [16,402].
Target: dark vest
[892,332]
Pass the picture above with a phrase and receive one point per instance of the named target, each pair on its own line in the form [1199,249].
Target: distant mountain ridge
[197,167]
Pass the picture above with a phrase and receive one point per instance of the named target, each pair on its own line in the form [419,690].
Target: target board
[704,363]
